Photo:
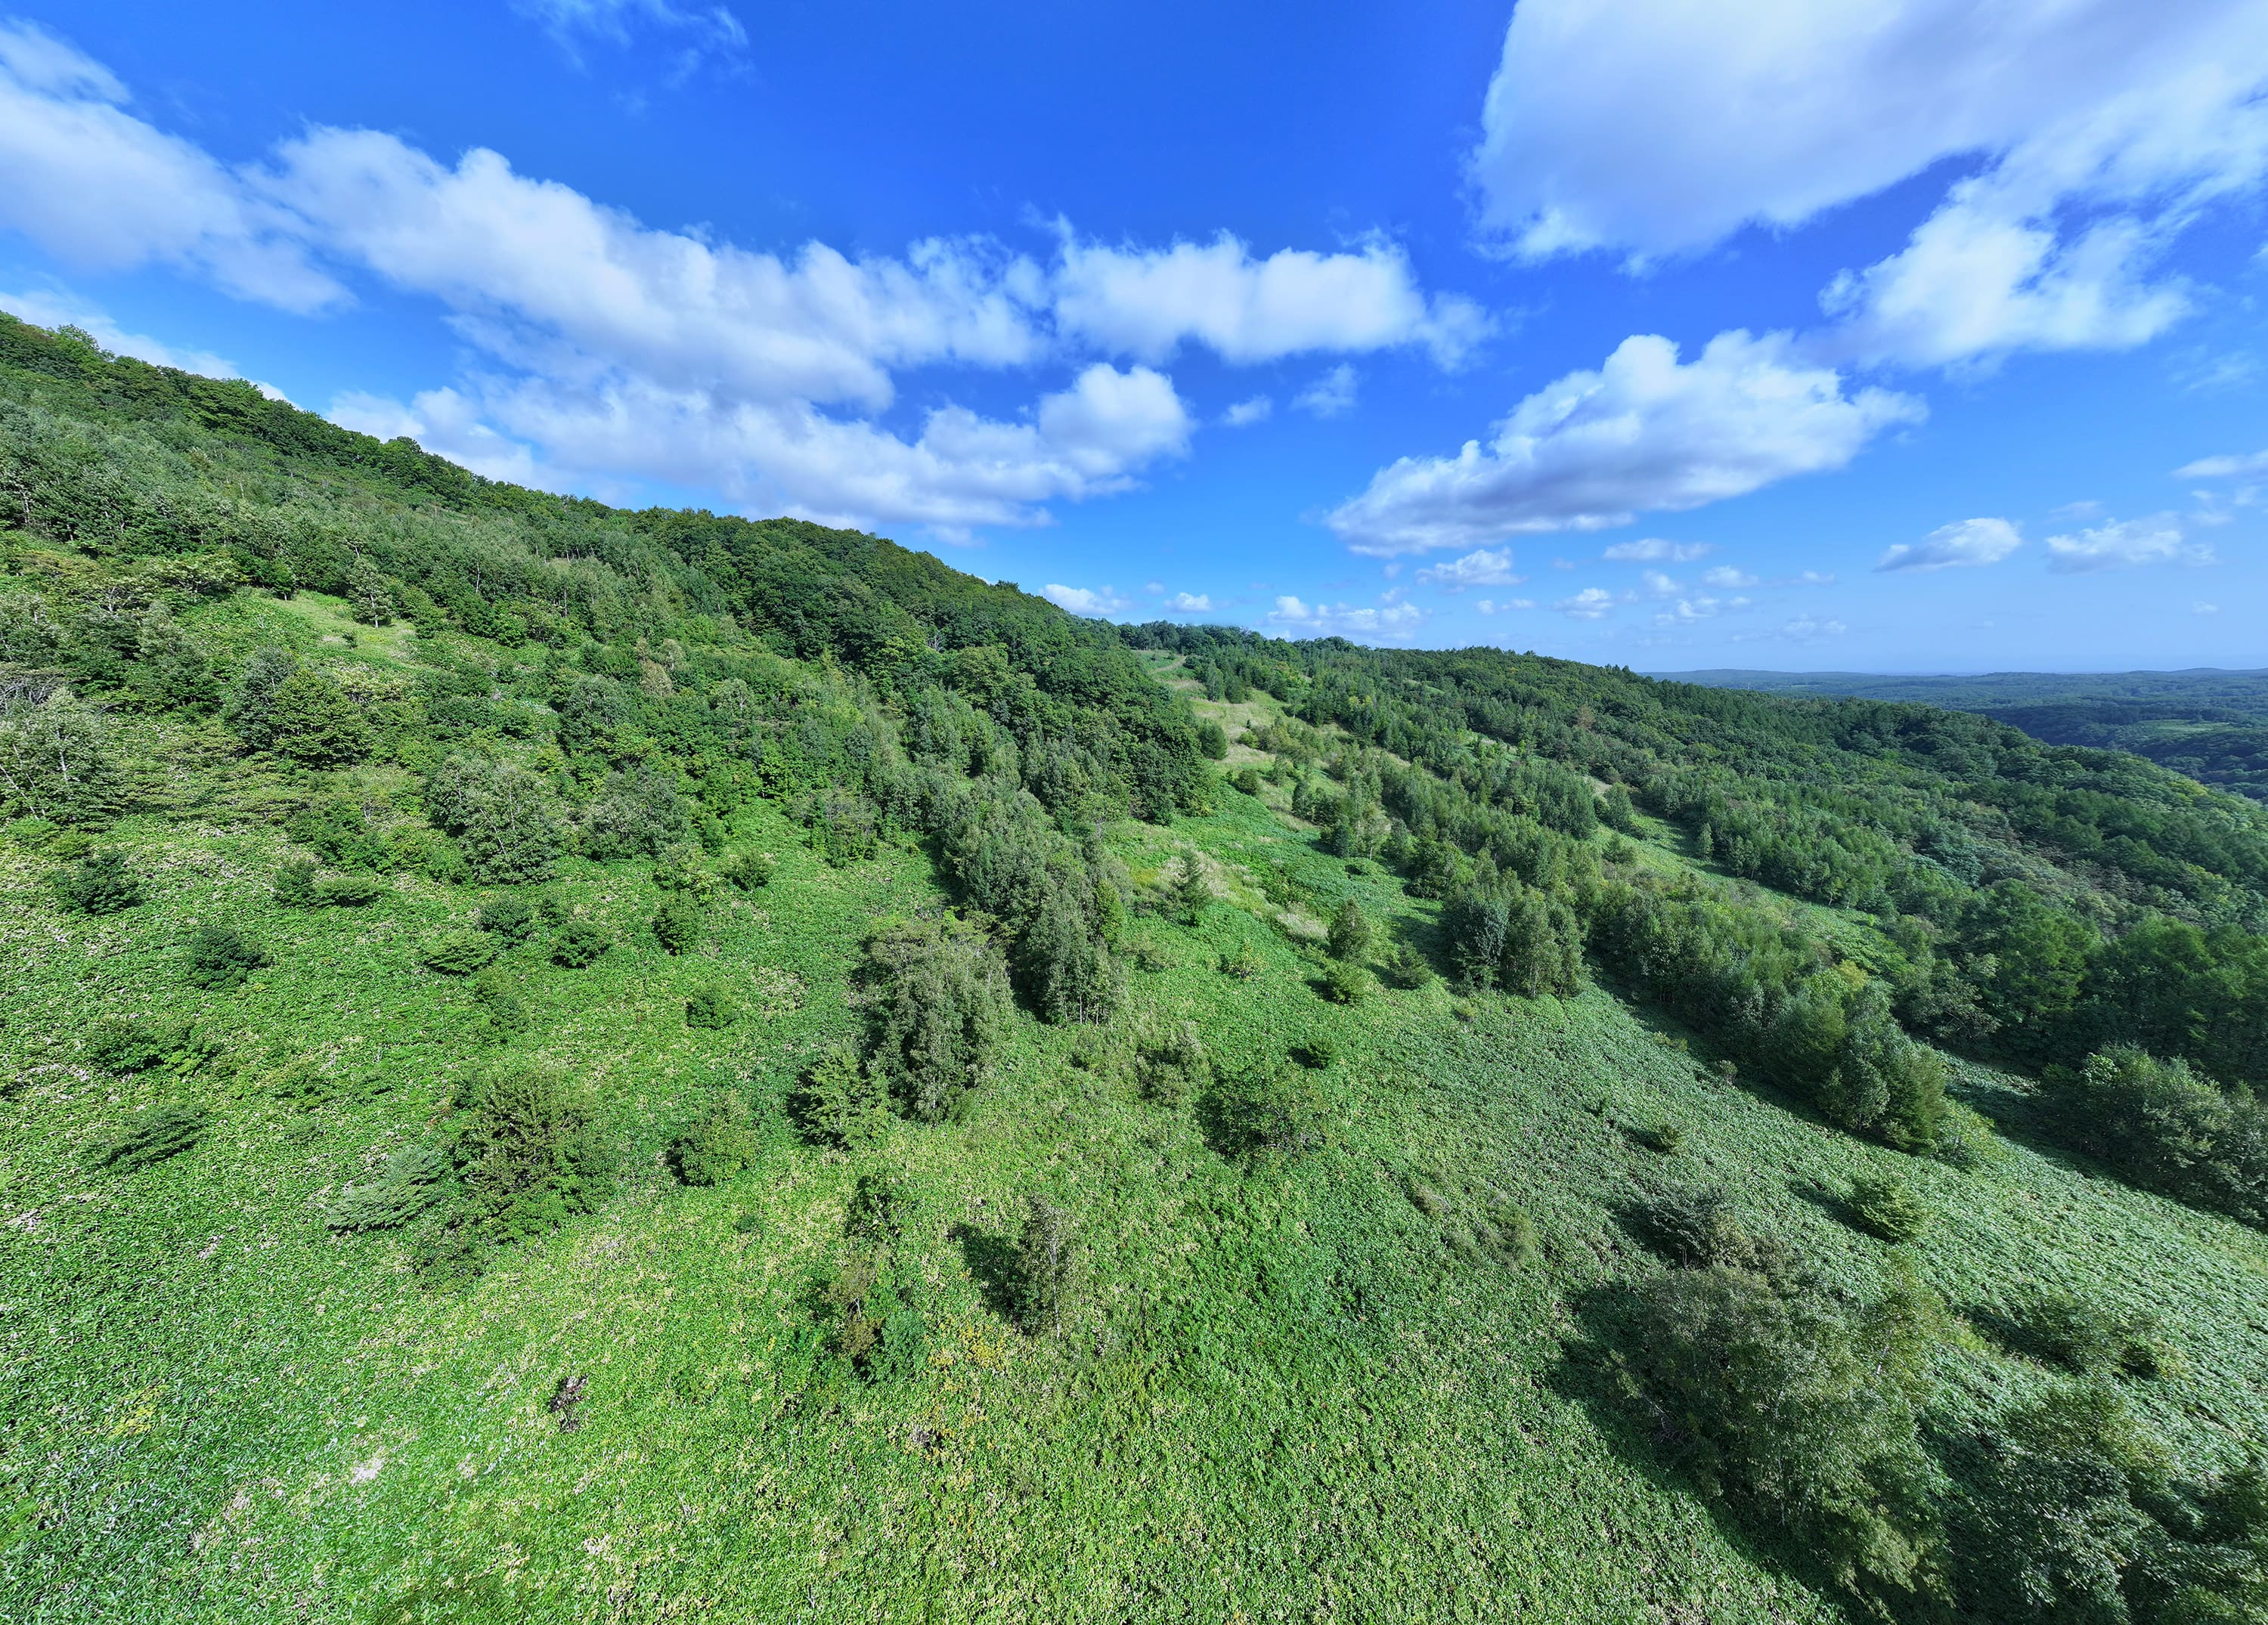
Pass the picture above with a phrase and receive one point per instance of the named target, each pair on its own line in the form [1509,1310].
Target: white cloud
[1591,604]
[1815,577]
[98,188]
[705,30]
[1329,395]
[1256,410]
[1654,584]
[1811,629]
[1147,303]
[2233,467]
[1654,549]
[1086,600]
[53,310]
[1643,432]
[1344,620]
[2092,131]
[2125,543]
[2203,608]
[1689,610]
[1479,568]
[1189,604]
[1725,578]
[1964,544]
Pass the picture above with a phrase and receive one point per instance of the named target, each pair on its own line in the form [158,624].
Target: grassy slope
[1301,1394]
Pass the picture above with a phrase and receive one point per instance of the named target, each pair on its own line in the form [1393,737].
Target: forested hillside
[2210,725]
[572,1064]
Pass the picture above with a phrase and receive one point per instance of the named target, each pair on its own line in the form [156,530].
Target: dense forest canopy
[424,690]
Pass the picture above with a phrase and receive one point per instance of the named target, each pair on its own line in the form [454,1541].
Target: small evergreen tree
[580,942]
[717,1147]
[677,922]
[1192,894]
[840,1102]
[1351,933]
[1047,1267]
[100,885]
[220,957]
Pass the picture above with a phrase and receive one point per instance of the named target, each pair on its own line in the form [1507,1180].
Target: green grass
[1286,1393]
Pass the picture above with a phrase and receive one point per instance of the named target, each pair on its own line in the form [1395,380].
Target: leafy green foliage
[1350,934]
[220,957]
[510,916]
[295,884]
[459,954]
[348,891]
[1268,1114]
[504,817]
[840,1102]
[1171,1064]
[1884,1205]
[2167,1128]
[101,884]
[1779,1398]
[711,1008]
[311,720]
[717,1147]
[580,943]
[678,922]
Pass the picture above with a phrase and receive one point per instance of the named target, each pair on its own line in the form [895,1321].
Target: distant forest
[2211,725]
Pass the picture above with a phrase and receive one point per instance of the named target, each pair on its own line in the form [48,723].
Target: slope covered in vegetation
[573,1064]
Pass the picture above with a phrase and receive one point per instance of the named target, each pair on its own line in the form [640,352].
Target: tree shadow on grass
[991,1263]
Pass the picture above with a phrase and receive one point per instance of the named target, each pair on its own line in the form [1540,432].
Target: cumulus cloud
[1689,610]
[1088,601]
[1304,619]
[2230,467]
[1330,395]
[1244,413]
[1147,302]
[2124,543]
[1189,604]
[607,348]
[2092,131]
[1654,549]
[1479,568]
[1646,432]
[1965,544]
[1725,578]
[99,187]
[1591,604]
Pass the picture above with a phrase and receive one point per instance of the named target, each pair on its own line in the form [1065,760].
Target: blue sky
[1897,335]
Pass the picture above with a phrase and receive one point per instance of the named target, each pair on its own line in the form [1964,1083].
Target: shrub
[1065,961]
[528,1151]
[124,1048]
[339,832]
[677,922]
[579,942]
[1884,1205]
[719,1146]
[153,1135]
[459,954]
[1666,1137]
[1212,740]
[100,885]
[1694,1226]
[1965,1139]
[839,1102]
[350,890]
[872,1308]
[1047,1267]
[1171,1065]
[942,1012]
[750,871]
[500,997]
[712,1008]
[1269,1115]
[510,916]
[879,1210]
[1778,1396]
[2067,1329]
[1243,964]
[1317,1053]
[295,884]
[220,957]
[413,1180]
[1246,780]
[1346,982]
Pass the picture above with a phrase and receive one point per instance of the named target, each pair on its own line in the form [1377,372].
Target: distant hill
[2209,724]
